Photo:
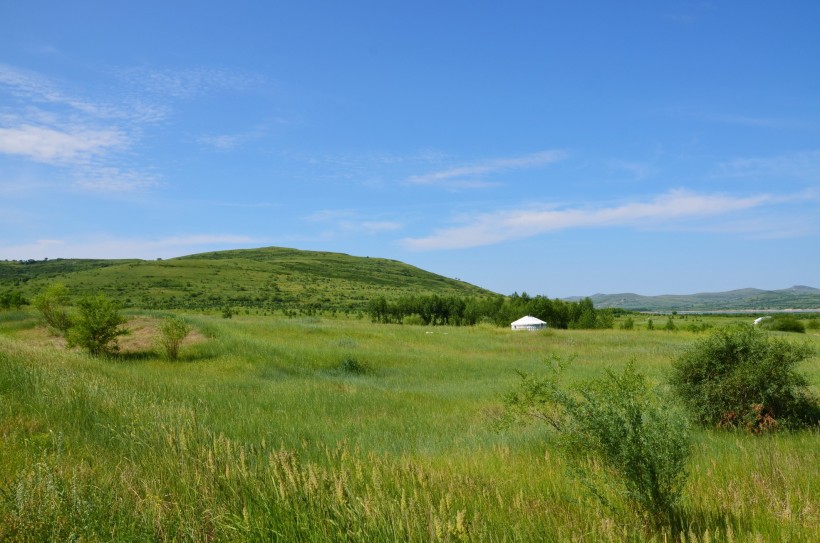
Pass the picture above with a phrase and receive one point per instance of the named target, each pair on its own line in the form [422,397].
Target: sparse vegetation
[262,438]
[618,420]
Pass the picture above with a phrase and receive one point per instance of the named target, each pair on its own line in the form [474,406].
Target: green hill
[266,278]
[796,297]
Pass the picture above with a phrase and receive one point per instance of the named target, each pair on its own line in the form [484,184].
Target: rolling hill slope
[268,278]
[796,297]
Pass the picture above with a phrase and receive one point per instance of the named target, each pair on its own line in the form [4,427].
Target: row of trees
[498,310]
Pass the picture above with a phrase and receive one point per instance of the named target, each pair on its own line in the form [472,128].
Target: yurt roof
[528,320]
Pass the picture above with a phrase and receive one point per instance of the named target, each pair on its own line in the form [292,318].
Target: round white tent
[528,323]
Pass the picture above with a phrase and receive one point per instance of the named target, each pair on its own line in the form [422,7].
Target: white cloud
[109,247]
[467,175]
[664,210]
[53,146]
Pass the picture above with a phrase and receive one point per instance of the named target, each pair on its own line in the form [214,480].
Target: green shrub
[12,299]
[620,421]
[628,324]
[97,326]
[742,378]
[413,320]
[173,331]
[783,323]
[353,365]
[51,304]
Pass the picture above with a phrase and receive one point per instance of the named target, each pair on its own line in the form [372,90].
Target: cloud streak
[466,175]
[53,146]
[798,165]
[664,210]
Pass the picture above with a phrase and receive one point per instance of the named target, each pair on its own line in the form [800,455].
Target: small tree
[742,378]
[628,324]
[642,442]
[173,331]
[51,304]
[670,325]
[97,326]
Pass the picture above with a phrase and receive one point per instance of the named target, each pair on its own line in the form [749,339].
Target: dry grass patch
[143,332]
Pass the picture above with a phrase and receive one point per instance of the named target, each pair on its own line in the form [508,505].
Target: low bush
[51,303]
[783,323]
[172,332]
[619,421]
[354,366]
[743,378]
[97,326]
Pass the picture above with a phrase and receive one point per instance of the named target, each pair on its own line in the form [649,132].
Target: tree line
[498,310]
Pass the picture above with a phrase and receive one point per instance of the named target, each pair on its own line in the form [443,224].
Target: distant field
[266,431]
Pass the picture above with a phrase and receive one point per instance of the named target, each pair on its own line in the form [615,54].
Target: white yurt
[528,323]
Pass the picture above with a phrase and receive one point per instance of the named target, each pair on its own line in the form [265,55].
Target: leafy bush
[742,378]
[173,331]
[97,326]
[628,324]
[353,365]
[413,320]
[51,304]
[642,442]
[783,323]
[12,299]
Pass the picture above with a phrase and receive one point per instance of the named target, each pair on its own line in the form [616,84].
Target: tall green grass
[260,434]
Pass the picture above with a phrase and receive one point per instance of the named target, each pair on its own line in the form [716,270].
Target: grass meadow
[320,429]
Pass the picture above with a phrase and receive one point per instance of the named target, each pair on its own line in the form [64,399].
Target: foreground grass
[262,432]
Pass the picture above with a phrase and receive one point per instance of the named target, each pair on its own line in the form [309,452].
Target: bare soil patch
[142,335]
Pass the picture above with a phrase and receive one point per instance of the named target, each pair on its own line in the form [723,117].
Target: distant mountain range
[796,297]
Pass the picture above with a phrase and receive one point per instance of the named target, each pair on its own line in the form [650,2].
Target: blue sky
[557,148]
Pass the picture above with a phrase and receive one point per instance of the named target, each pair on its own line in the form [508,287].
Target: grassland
[265,431]
[267,280]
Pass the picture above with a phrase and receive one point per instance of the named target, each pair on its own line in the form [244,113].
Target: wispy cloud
[227,142]
[797,165]
[470,175]
[89,137]
[112,179]
[351,221]
[665,210]
[189,82]
[110,247]
[53,146]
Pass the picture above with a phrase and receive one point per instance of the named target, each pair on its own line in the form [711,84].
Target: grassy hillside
[263,433]
[265,279]
[797,297]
